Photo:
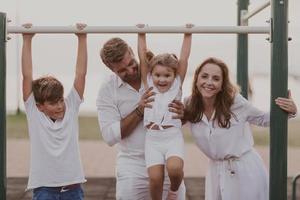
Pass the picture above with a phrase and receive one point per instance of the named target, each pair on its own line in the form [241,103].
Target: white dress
[236,171]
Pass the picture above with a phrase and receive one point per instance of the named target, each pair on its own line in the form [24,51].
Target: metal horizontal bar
[255,11]
[134,29]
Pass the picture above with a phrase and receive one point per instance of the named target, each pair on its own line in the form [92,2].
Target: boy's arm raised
[81,63]
[185,53]
[27,63]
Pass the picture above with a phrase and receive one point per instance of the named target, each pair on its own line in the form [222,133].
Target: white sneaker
[172,195]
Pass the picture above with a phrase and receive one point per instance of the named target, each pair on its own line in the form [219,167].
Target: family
[140,109]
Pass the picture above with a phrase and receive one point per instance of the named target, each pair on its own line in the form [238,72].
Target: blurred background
[55,54]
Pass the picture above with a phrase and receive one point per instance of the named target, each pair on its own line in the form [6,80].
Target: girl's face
[209,81]
[163,77]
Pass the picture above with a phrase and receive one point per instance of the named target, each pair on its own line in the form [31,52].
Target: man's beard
[134,77]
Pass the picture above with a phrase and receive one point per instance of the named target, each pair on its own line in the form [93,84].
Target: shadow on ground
[104,189]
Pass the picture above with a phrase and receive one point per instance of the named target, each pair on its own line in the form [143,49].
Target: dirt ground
[99,159]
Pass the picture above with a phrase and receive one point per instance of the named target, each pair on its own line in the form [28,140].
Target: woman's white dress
[236,171]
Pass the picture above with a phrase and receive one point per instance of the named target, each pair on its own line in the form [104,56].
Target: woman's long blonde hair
[194,106]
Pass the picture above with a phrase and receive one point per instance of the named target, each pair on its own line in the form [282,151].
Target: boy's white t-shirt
[159,113]
[55,157]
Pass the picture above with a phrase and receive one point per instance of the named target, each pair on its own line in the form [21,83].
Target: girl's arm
[142,50]
[184,54]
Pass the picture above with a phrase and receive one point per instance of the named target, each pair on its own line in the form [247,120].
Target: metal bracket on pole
[271,30]
[244,20]
[6,33]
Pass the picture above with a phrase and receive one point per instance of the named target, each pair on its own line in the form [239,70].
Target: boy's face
[54,110]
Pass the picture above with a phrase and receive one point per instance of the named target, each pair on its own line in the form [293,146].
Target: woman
[220,119]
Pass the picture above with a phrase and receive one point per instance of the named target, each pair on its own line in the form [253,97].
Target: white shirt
[116,99]
[250,180]
[55,157]
[218,142]
[159,114]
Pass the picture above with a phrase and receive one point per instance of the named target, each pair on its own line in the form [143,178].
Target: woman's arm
[287,104]
[261,118]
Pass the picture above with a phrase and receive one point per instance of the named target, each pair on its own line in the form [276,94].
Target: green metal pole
[2,106]
[279,77]
[242,52]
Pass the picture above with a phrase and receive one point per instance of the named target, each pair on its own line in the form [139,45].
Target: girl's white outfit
[236,171]
[163,143]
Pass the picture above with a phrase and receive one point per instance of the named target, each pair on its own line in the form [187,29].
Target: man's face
[127,69]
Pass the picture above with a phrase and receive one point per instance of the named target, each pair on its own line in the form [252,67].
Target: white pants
[162,144]
[133,184]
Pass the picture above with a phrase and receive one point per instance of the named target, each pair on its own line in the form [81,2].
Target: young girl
[164,140]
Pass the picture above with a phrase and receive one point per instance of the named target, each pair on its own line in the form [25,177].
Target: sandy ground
[99,159]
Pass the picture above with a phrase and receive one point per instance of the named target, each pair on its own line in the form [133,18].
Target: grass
[16,126]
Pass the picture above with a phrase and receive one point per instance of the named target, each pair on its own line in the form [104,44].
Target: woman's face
[209,81]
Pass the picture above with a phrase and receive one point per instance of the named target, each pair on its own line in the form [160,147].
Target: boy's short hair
[47,88]
[113,51]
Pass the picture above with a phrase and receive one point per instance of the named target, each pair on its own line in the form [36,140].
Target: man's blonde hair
[113,51]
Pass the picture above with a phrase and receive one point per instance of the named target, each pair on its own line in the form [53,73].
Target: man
[120,115]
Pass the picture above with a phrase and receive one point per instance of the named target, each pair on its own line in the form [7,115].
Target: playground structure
[277,31]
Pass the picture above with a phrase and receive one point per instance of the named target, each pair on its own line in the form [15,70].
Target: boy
[55,167]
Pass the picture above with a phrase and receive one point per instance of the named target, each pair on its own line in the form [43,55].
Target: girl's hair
[224,99]
[165,59]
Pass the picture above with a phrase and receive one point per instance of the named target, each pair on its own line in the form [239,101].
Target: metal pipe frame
[134,29]
[2,106]
[248,15]
[294,192]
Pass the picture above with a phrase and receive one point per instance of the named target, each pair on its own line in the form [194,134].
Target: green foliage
[89,130]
